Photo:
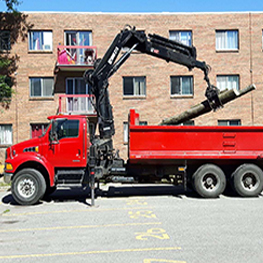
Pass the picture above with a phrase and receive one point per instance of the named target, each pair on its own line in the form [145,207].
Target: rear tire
[209,181]
[28,186]
[247,180]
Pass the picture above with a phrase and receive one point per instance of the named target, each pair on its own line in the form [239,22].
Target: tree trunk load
[204,107]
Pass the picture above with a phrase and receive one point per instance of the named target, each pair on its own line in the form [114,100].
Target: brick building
[231,43]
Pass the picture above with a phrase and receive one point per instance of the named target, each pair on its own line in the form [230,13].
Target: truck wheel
[247,180]
[28,186]
[209,181]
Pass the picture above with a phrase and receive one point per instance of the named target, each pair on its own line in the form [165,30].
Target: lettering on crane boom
[113,55]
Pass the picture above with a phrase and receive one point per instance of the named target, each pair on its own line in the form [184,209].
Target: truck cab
[58,156]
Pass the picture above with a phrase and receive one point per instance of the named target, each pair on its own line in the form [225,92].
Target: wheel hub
[26,187]
[249,181]
[209,181]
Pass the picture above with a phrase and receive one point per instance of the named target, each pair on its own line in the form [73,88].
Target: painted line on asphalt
[90,252]
[76,227]
[76,211]
[151,260]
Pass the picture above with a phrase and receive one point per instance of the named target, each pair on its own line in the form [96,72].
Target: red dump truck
[205,157]
[70,151]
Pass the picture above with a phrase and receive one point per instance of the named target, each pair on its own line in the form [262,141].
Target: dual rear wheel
[209,180]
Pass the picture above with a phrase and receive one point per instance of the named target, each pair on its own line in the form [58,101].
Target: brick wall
[247,63]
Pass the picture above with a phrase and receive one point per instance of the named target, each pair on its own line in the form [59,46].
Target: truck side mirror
[53,136]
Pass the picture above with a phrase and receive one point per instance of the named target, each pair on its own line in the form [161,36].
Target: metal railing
[77,104]
[76,55]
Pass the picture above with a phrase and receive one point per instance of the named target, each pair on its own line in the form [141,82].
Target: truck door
[68,150]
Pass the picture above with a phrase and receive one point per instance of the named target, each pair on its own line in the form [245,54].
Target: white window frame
[42,85]
[223,42]
[181,89]
[5,43]
[224,82]
[45,44]
[77,32]
[77,54]
[6,134]
[141,91]
[74,85]
[177,35]
[229,122]
[78,104]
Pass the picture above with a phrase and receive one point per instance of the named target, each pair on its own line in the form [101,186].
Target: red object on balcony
[76,56]
[77,104]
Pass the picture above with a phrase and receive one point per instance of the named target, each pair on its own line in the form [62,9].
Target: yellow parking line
[76,211]
[151,260]
[76,227]
[90,252]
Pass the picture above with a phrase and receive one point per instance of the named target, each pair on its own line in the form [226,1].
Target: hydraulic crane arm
[153,45]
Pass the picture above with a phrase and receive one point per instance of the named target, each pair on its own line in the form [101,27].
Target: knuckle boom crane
[101,151]
[183,155]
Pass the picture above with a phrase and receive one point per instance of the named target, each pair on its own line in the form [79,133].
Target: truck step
[69,176]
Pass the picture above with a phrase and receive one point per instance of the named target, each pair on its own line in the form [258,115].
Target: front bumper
[7,178]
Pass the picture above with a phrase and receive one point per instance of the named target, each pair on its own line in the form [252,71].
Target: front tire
[28,186]
[247,180]
[209,181]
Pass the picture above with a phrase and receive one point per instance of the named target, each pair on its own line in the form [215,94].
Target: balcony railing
[77,104]
[76,55]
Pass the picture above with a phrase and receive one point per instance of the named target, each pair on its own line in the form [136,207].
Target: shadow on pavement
[80,195]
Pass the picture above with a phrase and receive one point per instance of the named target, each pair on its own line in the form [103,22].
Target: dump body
[157,143]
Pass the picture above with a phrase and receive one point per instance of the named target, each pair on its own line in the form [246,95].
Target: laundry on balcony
[90,56]
[76,55]
[65,57]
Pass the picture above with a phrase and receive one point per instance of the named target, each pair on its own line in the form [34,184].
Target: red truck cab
[58,155]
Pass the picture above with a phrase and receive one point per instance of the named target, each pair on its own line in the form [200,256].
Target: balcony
[77,104]
[70,58]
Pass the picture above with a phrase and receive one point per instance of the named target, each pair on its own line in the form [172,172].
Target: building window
[6,134]
[76,86]
[41,87]
[224,82]
[184,37]
[229,122]
[181,85]
[78,38]
[226,40]
[40,40]
[5,40]
[188,123]
[38,129]
[126,130]
[134,86]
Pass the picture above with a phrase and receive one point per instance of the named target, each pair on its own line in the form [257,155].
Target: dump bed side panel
[194,142]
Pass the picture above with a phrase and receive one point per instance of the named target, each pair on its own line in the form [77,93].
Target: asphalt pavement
[132,223]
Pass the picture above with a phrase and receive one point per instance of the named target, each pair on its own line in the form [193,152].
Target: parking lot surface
[132,223]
